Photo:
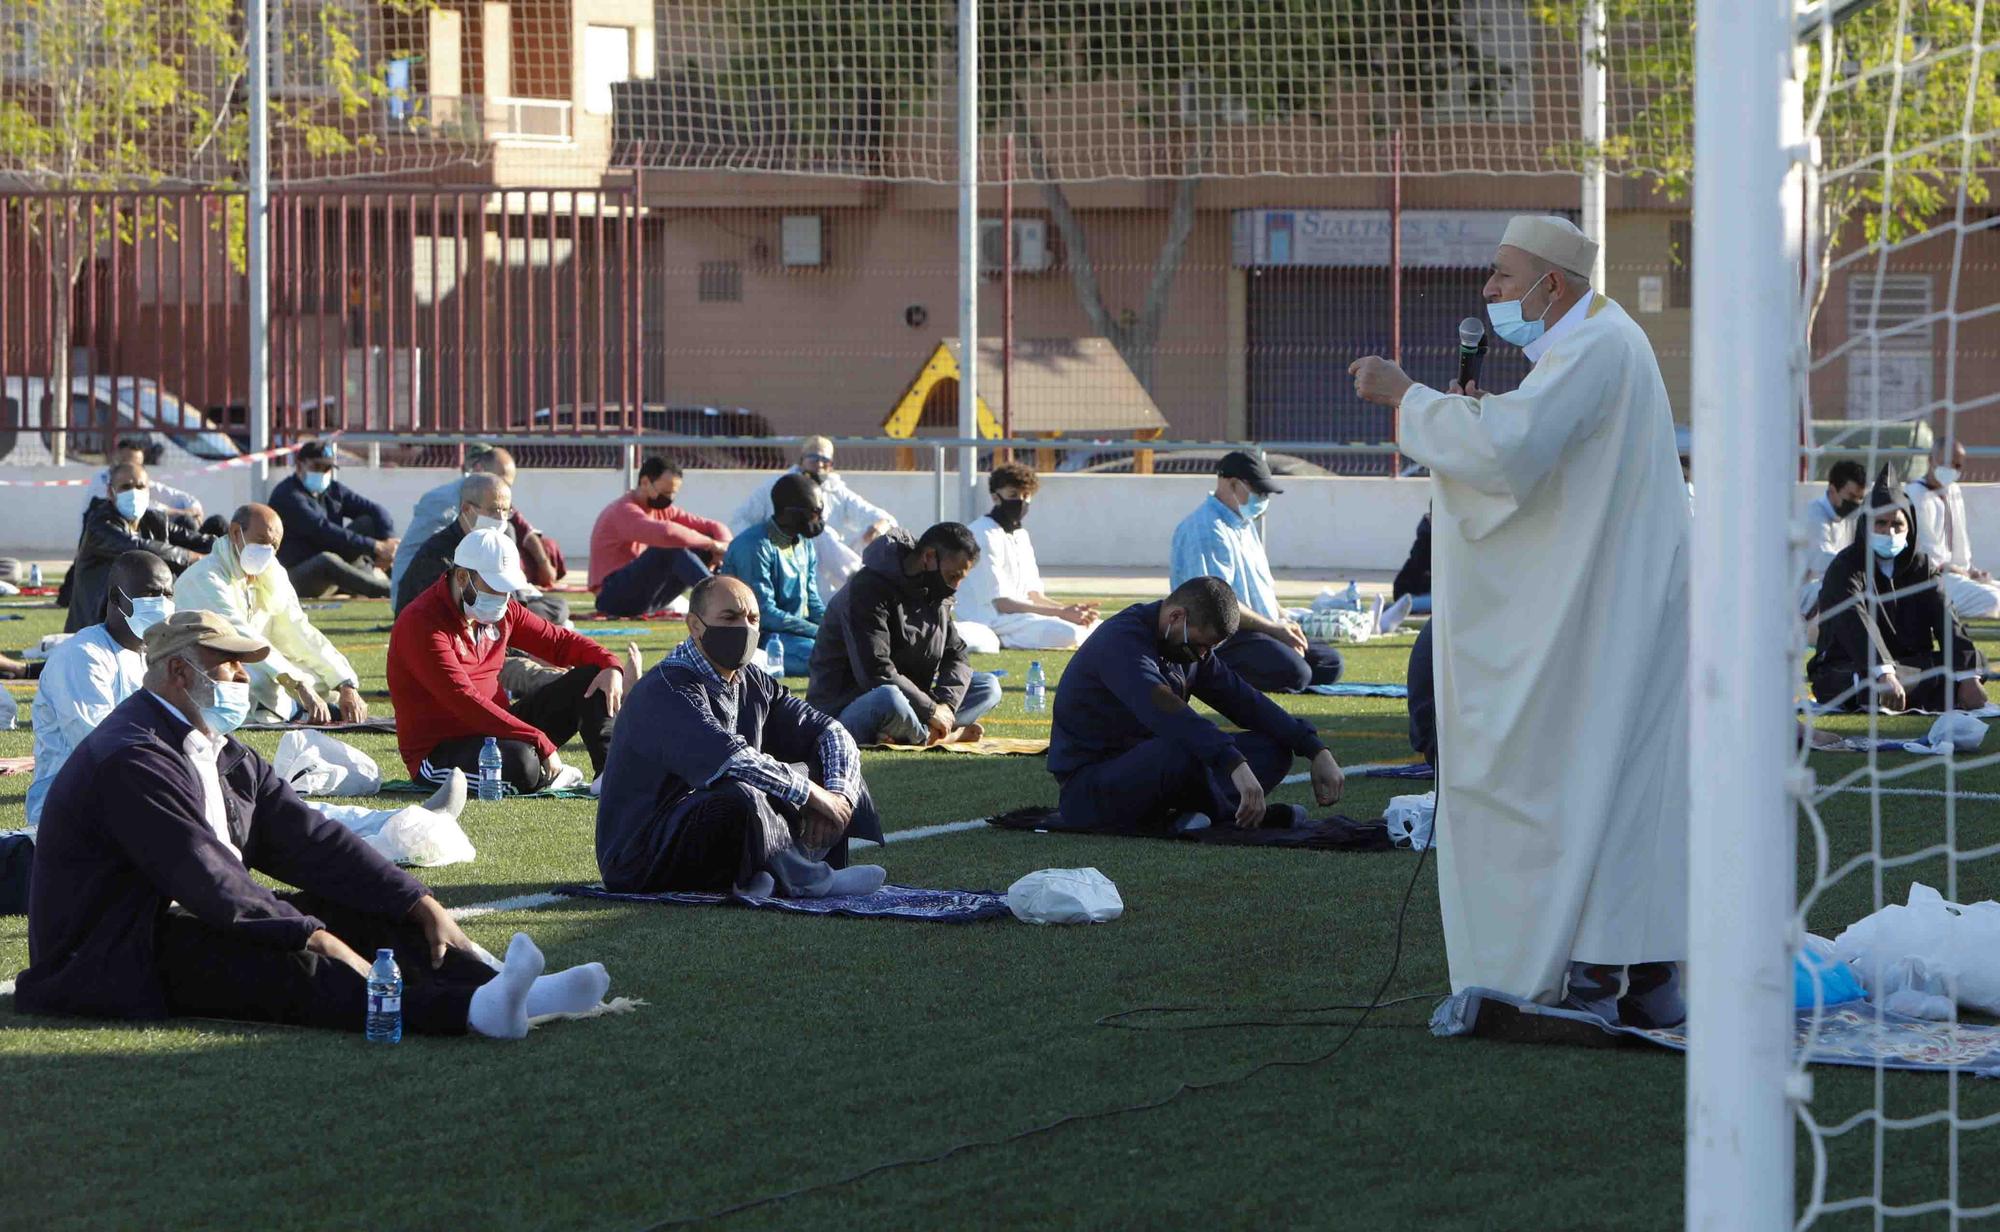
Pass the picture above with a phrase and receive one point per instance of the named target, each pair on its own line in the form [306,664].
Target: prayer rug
[1356,688]
[991,746]
[661,614]
[613,632]
[891,902]
[1393,770]
[369,725]
[410,787]
[1852,1034]
[1335,833]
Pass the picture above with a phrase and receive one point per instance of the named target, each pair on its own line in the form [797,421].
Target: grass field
[776,1053]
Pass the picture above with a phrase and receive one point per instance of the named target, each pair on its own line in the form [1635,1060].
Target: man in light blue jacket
[776,559]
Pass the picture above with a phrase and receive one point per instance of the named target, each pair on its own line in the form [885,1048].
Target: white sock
[569,992]
[449,798]
[857,879]
[500,1006]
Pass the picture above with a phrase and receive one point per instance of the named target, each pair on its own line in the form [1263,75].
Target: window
[1490,80]
[721,282]
[607,60]
[1680,264]
[306,36]
[1891,368]
[20,46]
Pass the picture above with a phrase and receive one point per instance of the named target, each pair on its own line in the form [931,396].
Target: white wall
[1079,521]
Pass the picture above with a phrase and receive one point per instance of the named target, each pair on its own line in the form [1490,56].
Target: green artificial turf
[775,1053]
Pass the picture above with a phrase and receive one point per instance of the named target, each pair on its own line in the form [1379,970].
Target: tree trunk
[55,417]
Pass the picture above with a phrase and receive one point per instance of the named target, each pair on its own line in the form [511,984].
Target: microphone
[1471,349]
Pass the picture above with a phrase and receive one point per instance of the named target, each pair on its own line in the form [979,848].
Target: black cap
[1251,469]
[314,451]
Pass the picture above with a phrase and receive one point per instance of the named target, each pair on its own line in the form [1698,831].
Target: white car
[106,409]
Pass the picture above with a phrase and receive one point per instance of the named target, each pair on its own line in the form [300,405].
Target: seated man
[644,551]
[445,655]
[721,780]
[168,500]
[1831,517]
[1423,697]
[125,523]
[87,675]
[1943,535]
[1413,580]
[142,904]
[852,523]
[305,677]
[777,560]
[1132,755]
[1004,591]
[337,541]
[485,500]
[1221,539]
[438,508]
[1887,638]
[888,663]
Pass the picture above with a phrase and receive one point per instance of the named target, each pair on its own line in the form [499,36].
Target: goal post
[1748,348]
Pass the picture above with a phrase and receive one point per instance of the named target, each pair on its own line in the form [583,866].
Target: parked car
[1198,462]
[653,419]
[105,409]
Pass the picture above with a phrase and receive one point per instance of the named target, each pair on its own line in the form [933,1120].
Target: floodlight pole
[257,241]
[1742,855]
[968,253]
[1592,89]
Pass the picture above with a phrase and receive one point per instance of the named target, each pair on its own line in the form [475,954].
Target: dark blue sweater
[315,524]
[124,833]
[1118,693]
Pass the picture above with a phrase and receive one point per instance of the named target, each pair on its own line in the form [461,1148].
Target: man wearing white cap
[1560,542]
[445,654]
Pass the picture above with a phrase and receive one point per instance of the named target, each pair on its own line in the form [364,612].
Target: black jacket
[1907,610]
[1414,578]
[432,561]
[124,833]
[107,536]
[880,630]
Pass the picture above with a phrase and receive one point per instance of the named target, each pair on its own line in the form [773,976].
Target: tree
[127,95]
[1188,67]
[1900,116]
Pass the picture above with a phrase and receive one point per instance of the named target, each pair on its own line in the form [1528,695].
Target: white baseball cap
[493,556]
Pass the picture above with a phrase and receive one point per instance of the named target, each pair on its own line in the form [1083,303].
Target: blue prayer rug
[1851,1034]
[1358,688]
[891,902]
[1413,770]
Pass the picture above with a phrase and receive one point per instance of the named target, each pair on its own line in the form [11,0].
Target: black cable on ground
[1078,1118]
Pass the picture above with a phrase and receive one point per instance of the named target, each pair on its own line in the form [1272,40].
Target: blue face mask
[132,503]
[1507,322]
[147,611]
[1256,506]
[228,703]
[317,482]
[1888,547]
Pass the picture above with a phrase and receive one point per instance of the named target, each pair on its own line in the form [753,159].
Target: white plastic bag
[418,838]
[1065,896]
[1957,733]
[316,764]
[1412,819]
[10,711]
[1925,946]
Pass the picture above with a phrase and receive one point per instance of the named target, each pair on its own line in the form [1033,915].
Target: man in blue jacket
[776,559]
[336,540]
[1133,756]
[142,903]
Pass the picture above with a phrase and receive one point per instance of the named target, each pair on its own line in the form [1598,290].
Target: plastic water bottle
[1037,689]
[492,780]
[774,656]
[35,575]
[385,999]
[1351,600]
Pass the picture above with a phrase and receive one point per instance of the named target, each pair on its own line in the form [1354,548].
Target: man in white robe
[1001,603]
[1938,508]
[1560,566]
[852,522]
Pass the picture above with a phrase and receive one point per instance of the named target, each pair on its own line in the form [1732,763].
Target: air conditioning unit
[1031,245]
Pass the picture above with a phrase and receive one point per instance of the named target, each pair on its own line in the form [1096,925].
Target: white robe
[1946,538]
[1559,550]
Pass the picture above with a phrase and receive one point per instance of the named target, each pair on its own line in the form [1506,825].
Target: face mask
[1009,514]
[317,482]
[482,607]
[935,588]
[483,522]
[256,557]
[228,704]
[132,503]
[818,477]
[1888,547]
[1946,475]
[801,523]
[729,647]
[147,611]
[659,502]
[1256,506]
[1180,652]
[1507,322]
[1846,508]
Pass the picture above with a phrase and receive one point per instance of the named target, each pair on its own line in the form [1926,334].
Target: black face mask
[661,502]
[933,586]
[1009,514]
[801,523]
[1180,652]
[729,647]
[818,477]
[1844,508]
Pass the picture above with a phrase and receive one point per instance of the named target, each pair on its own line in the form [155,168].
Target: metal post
[1007,299]
[968,253]
[937,473]
[1742,858]
[258,241]
[1396,284]
[1592,102]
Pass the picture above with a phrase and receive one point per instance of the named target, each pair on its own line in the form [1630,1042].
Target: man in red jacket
[444,676]
[644,551]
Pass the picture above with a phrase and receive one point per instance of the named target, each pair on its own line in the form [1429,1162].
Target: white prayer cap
[1553,239]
